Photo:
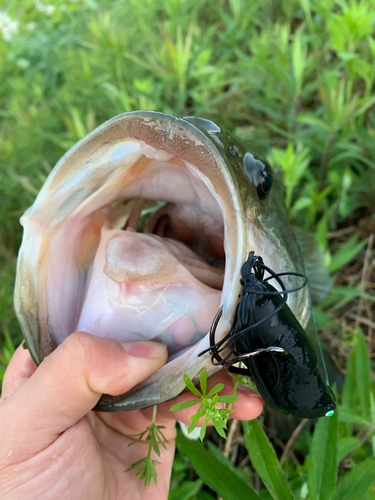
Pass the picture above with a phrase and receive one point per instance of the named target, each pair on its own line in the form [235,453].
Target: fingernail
[144,349]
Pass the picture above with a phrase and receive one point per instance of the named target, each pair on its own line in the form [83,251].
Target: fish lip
[184,140]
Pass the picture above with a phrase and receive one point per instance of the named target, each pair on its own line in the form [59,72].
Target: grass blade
[346,253]
[186,491]
[322,473]
[357,482]
[216,475]
[265,461]
[363,381]
[346,445]
[217,453]
[350,416]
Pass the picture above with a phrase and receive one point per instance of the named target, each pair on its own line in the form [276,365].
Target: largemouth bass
[203,201]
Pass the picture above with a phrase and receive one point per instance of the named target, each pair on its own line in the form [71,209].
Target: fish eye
[260,175]
[265,185]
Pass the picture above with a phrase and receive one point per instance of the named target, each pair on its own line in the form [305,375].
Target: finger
[247,407]
[69,382]
[20,369]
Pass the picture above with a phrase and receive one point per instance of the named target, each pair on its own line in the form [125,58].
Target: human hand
[54,447]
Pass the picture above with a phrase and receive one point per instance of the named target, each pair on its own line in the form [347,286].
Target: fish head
[202,199]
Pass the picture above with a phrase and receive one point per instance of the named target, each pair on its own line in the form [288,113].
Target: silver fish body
[83,266]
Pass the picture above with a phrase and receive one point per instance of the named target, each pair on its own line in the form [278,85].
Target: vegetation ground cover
[296,78]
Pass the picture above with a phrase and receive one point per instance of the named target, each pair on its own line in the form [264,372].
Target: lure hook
[247,280]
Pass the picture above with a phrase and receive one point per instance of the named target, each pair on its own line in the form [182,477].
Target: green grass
[296,77]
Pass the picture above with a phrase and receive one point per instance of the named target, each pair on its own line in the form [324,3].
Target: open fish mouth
[139,233]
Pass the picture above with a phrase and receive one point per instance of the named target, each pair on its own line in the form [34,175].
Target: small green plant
[154,438]
[207,408]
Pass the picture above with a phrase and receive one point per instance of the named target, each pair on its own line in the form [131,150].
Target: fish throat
[159,266]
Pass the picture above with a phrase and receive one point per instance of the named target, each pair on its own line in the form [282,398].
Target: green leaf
[350,416]
[186,491]
[136,465]
[217,477]
[186,404]
[203,381]
[198,415]
[345,446]
[139,438]
[357,482]
[301,203]
[204,428]
[215,400]
[357,385]
[215,390]
[161,438]
[148,471]
[220,426]
[193,425]
[217,453]
[346,253]
[189,384]
[265,462]
[298,57]
[322,472]
[154,443]
[153,474]
[315,122]
[372,405]
[363,380]
[231,398]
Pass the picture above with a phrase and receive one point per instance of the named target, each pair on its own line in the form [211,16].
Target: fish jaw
[62,232]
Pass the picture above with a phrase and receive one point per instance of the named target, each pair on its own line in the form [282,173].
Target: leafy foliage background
[296,77]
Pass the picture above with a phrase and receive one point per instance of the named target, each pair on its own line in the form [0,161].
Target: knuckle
[77,344]
[75,350]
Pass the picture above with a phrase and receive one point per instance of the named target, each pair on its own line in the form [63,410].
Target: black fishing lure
[268,339]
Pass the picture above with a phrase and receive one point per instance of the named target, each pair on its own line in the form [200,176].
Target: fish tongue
[139,290]
[135,258]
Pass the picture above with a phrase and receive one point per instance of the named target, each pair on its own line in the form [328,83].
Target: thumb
[68,384]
